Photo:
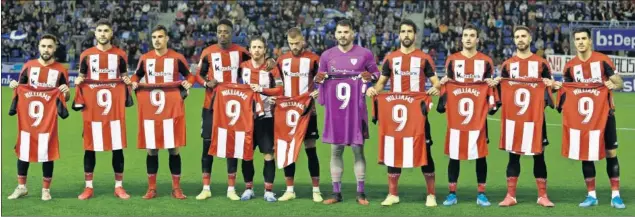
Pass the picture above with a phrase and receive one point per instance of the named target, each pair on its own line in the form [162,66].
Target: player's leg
[454,167]
[513,171]
[21,190]
[47,177]
[428,173]
[118,167]
[588,171]
[393,189]
[247,168]
[612,164]
[206,159]
[337,169]
[360,173]
[89,168]
[266,148]
[311,152]
[232,168]
[540,173]
[175,170]
[481,177]
[152,167]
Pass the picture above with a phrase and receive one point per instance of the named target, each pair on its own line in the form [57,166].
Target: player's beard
[522,48]
[46,56]
[343,42]
[407,43]
[296,52]
[103,42]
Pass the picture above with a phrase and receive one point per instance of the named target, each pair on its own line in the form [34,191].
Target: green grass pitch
[565,183]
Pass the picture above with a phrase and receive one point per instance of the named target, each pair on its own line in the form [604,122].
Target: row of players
[294,75]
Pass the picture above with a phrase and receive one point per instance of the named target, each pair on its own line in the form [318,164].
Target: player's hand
[320,77]
[13,84]
[491,82]
[548,82]
[271,63]
[371,92]
[366,76]
[271,100]
[444,80]
[315,94]
[256,88]
[79,80]
[64,88]
[134,85]
[211,83]
[433,91]
[186,85]
[126,80]
[610,85]
[557,85]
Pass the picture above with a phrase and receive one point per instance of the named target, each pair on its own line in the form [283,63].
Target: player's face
[344,35]
[159,40]
[582,41]
[469,39]
[257,49]
[406,36]
[296,44]
[47,48]
[522,39]
[224,33]
[103,34]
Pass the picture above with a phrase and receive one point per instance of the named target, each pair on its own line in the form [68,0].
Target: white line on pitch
[557,125]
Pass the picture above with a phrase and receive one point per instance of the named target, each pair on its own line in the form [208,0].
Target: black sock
[588,169]
[513,166]
[175,164]
[89,161]
[612,167]
[269,171]
[454,167]
[47,169]
[540,166]
[152,164]
[232,165]
[314,163]
[117,161]
[248,171]
[206,159]
[429,168]
[481,170]
[23,168]
[289,171]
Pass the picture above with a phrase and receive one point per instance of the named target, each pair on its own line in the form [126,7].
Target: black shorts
[610,133]
[428,134]
[312,129]
[206,124]
[263,135]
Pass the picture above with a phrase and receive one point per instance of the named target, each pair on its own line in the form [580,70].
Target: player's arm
[277,88]
[429,71]
[23,79]
[63,86]
[184,70]
[489,69]
[372,72]
[615,81]
[123,69]
[61,109]
[139,74]
[203,70]
[381,82]
[449,71]
[83,70]
[561,98]
[442,101]
[14,106]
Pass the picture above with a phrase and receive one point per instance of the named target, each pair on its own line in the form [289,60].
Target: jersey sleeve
[62,111]
[129,102]
[371,65]
[489,70]
[203,69]
[493,100]
[276,90]
[140,72]
[322,66]
[309,108]
[609,68]
[14,104]
[374,110]
[504,71]
[545,70]
[184,70]
[566,74]
[425,106]
[258,106]
[442,100]
[449,68]
[549,98]
[24,76]
[561,98]
[386,68]
[429,68]
[78,102]
[83,65]
[123,65]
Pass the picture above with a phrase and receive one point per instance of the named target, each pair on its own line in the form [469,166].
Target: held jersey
[523,104]
[270,81]
[221,65]
[585,109]
[402,139]
[474,69]
[597,69]
[103,105]
[161,116]
[298,72]
[533,66]
[346,115]
[101,65]
[291,122]
[37,110]
[408,72]
[38,75]
[467,106]
[235,108]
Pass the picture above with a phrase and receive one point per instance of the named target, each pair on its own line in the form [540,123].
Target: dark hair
[582,29]
[49,36]
[472,27]
[408,22]
[258,38]
[345,22]
[521,28]
[104,22]
[294,32]
[160,28]
[227,23]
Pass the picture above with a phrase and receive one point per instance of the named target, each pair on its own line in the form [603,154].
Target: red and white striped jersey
[402,139]
[298,72]
[37,110]
[408,72]
[467,106]
[103,65]
[523,103]
[597,69]
[270,82]
[221,65]
[292,119]
[586,109]
[161,116]
[103,105]
[533,66]
[38,75]
[473,69]
[166,68]
[235,107]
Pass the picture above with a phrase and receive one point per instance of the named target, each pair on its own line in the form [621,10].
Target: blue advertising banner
[613,39]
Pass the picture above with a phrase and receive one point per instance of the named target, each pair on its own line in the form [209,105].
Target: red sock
[615,184]
[481,187]
[393,182]
[542,187]
[21,180]
[88,176]
[46,182]
[249,185]
[231,179]
[452,186]
[289,181]
[152,181]
[207,178]
[316,181]
[118,176]
[430,183]
[511,186]
[268,186]
[590,184]
[176,181]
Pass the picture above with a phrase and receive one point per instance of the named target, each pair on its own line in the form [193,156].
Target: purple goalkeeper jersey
[343,95]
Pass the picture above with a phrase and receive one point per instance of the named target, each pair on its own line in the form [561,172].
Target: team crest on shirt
[354,61]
